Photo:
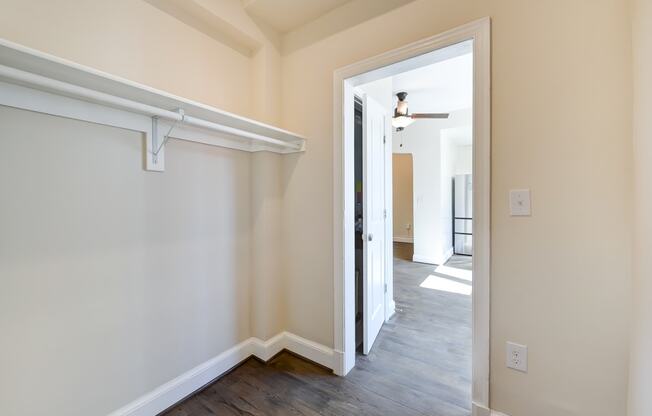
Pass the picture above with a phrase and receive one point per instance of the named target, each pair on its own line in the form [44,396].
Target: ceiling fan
[402,118]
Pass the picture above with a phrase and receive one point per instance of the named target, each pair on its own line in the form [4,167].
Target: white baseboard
[313,351]
[438,260]
[182,386]
[174,390]
[340,366]
[479,410]
[399,239]
[424,259]
[265,350]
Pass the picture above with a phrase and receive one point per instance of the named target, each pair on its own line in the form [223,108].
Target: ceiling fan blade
[430,115]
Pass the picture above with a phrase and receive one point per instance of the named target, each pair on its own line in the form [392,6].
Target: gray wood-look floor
[419,365]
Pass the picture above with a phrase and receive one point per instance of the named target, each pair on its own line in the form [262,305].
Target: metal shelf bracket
[156,141]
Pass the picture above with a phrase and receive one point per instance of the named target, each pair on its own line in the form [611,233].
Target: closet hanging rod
[75,91]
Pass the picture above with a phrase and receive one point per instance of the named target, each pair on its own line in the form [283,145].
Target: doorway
[421,118]
[403,205]
[401,60]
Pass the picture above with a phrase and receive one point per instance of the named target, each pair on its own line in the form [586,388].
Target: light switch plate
[519,202]
[516,357]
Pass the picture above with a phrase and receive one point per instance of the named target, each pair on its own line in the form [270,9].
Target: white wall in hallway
[434,162]
[464,162]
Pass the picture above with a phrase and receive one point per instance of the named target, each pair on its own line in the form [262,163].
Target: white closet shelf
[36,81]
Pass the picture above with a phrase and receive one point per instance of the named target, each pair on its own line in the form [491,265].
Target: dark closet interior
[358,223]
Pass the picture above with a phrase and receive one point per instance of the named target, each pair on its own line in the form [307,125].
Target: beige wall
[114,280]
[134,40]
[640,380]
[112,273]
[561,125]
[402,194]
[105,273]
[268,290]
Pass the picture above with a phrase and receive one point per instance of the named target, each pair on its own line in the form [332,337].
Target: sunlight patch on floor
[445,285]
[455,272]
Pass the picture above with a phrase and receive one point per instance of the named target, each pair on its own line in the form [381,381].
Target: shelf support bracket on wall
[156,141]
[154,161]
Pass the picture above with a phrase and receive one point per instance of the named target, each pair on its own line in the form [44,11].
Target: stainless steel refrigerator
[463,215]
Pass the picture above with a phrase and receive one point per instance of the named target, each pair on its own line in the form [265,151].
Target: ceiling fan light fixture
[401,108]
[401,121]
[401,117]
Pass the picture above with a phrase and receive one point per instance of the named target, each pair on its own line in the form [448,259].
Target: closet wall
[111,276]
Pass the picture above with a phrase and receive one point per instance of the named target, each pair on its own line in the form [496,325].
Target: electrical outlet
[519,202]
[408,226]
[517,356]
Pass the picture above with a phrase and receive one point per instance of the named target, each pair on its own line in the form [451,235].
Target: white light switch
[519,202]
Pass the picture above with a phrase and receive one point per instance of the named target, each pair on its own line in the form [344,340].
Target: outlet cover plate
[516,356]
[519,202]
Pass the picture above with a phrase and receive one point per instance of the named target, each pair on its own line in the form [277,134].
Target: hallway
[426,347]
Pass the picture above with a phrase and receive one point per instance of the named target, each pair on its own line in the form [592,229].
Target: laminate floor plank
[419,365]
[355,398]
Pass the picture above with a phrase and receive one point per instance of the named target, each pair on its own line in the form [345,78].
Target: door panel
[374,221]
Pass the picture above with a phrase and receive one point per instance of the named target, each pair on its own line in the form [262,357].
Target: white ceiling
[287,15]
[288,24]
[441,87]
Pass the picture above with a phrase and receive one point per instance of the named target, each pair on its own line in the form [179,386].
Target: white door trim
[345,79]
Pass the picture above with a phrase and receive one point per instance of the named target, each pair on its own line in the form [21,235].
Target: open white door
[374,221]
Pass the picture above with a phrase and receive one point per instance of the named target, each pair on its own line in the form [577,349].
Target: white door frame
[387,64]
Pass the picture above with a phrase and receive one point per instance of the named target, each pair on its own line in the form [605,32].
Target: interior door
[374,221]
